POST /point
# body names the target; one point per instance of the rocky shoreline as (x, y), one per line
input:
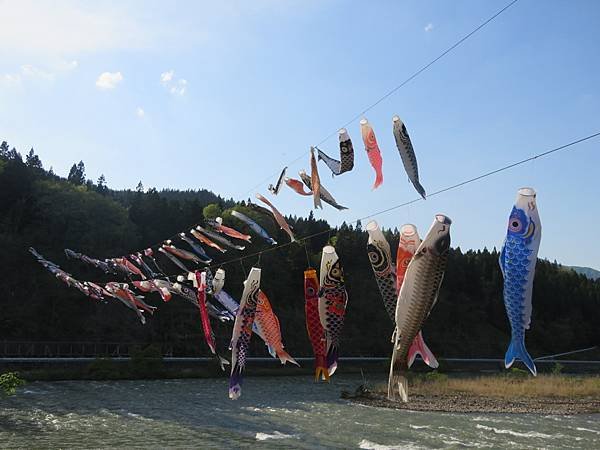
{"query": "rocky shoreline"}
(469, 403)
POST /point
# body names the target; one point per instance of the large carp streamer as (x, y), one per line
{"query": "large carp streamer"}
(517, 263)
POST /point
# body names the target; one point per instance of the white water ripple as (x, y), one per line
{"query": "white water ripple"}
(533, 434)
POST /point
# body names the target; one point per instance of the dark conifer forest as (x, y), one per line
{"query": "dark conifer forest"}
(44, 210)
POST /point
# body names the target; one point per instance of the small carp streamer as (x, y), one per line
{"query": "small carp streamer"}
(275, 189)
(209, 337)
(407, 247)
(205, 240)
(254, 226)
(268, 325)
(517, 263)
(373, 151)
(122, 292)
(407, 154)
(242, 332)
(278, 217)
(204, 258)
(316, 181)
(297, 186)
(179, 253)
(315, 330)
(333, 299)
(324, 193)
(217, 224)
(173, 258)
(346, 162)
(218, 281)
(154, 286)
(418, 295)
(220, 239)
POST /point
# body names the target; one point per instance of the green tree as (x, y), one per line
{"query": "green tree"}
(77, 173)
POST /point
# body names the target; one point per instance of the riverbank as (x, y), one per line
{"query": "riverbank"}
(511, 393)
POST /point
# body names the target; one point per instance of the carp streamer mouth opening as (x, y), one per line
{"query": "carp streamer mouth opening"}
(526, 192)
(408, 230)
(328, 249)
(443, 219)
(372, 225)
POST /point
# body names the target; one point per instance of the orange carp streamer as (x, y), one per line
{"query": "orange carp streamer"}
(373, 151)
(268, 324)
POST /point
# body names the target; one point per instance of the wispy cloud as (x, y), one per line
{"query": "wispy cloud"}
(53, 28)
(31, 72)
(140, 112)
(176, 86)
(428, 27)
(109, 80)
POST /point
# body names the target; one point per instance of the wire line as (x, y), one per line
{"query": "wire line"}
(395, 89)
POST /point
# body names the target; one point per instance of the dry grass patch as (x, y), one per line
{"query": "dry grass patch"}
(506, 386)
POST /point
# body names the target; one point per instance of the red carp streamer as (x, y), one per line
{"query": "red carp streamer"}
(315, 330)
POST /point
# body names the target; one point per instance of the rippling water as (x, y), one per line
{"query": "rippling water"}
(286, 412)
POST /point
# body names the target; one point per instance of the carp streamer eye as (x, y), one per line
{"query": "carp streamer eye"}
(310, 291)
(515, 225)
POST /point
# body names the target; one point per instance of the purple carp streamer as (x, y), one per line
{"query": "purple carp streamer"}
(407, 154)
(333, 299)
(517, 263)
(324, 193)
(242, 332)
(418, 295)
(346, 162)
(275, 189)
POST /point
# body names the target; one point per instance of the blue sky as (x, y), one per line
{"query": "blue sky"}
(221, 94)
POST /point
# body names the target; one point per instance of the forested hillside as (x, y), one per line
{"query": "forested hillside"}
(40, 209)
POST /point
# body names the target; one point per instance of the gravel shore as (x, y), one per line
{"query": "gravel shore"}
(466, 403)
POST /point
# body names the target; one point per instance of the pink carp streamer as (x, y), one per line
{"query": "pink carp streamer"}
(201, 295)
(278, 217)
(373, 151)
(316, 181)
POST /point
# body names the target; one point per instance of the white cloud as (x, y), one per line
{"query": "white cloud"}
(166, 77)
(109, 80)
(176, 86)
(180, 87)
(140, 112)
(428, 27)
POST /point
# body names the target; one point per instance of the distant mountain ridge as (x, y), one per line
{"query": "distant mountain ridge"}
(592, 274)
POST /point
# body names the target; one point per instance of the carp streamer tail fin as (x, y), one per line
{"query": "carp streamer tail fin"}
(398, 384)
(235, 383)
(285, 357)
(332, 358)
(419, 347)
(517, 350)
(222, 361)
(321, 371)
(420, 189)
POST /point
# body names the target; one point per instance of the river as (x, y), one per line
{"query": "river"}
(283, 412)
